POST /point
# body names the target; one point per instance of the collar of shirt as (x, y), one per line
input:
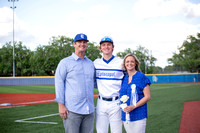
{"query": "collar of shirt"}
(107, 61)
(76, 56)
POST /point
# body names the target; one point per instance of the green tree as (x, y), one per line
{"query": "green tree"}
(156, 69)
(188, 55)
(169, 69)
(37, 61)
(92, 52)
(147, 61)
(6, 59)
(22, 60)
(174, 68)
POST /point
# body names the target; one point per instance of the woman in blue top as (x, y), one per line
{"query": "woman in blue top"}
(136, 86)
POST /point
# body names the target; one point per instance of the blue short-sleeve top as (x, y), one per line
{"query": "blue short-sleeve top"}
(140, 81)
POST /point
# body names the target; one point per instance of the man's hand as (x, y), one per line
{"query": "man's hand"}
(63, 111)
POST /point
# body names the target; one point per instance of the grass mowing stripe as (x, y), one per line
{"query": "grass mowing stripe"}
(27, 89)
(171, 86)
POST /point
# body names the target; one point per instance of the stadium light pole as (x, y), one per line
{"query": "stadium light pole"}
(13, 7)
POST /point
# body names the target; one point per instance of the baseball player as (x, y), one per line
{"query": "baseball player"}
(109, 76)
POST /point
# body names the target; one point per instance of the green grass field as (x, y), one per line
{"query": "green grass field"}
(164, 110)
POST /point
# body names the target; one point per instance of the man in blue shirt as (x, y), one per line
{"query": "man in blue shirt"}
(74, 85)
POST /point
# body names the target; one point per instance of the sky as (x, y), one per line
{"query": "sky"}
(161, 26)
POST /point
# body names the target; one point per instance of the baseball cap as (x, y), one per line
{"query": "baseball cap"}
(80, 36)
(106, 39)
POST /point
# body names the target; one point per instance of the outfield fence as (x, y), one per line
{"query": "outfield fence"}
(33, 80)
(174, 78)
(154, 78)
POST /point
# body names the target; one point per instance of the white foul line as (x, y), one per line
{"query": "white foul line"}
(34, 102)
(9, 105)
(25, 120)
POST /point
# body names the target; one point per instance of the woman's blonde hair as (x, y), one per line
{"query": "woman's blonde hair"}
(137, 66)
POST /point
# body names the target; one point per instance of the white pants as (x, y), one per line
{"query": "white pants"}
(135, 126)
(108, 112)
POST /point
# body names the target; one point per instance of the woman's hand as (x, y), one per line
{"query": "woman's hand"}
(129, 108)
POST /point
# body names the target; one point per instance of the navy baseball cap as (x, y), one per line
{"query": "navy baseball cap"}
(80, 36)
(106, 39)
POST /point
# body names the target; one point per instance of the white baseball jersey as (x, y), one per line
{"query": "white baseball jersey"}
(109, 76)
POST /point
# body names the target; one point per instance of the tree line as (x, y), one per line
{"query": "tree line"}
(188, 56)
(44, 60)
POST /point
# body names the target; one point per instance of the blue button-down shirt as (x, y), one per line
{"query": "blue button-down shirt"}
(74, 84)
